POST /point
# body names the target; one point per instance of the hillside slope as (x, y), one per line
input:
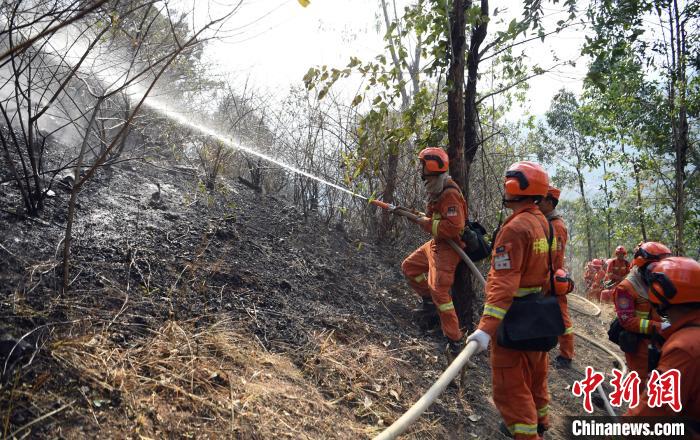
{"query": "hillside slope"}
(219, 315)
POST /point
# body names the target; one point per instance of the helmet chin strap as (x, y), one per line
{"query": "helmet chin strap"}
(513, 200)
(520, 199)
(662, 308)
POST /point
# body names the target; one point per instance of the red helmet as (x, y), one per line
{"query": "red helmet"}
(563, 283)
(434, 160)
(526, 179)
(648, 252)
(674, 280)
(620, 250)
(597, 262)
(553, 192)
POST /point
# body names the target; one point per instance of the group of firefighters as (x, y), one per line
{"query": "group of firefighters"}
(657, 297)
(601, 276)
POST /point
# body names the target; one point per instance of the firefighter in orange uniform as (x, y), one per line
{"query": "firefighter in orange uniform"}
(519, 267)
(618, 268)
(598, 273)
(430, 269)
(675, 293)
(589, 273)
(633, 309)
(548, 206)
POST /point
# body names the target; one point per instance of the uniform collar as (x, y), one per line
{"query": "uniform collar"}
(532, 208)
(553, 214)
(692, 317)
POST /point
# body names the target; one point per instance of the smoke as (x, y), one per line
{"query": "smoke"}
(107, 67)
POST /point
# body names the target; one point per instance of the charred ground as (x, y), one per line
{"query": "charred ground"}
(211, 314)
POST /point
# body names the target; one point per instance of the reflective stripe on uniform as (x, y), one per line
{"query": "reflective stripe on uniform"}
(541, 412)
(522, 428)
(420, 278)
(568, 330)
(644, 326)
(525, 291)
(494, 311)
(644, 315)
(446, 307)
(436, 222)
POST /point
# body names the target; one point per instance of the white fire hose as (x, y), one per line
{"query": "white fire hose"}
(404, 422)
(418, 408)
(414, 412)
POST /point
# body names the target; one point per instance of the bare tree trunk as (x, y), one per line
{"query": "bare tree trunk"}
(386, 221)
(463, 279)
(74, 196)
(608, 219)
(640, 208)
(586, 209)
(471, 127)
(679, 120)
(461, 288)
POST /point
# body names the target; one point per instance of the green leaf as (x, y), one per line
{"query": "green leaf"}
(513, 26)
(354, 61)
(356, 101)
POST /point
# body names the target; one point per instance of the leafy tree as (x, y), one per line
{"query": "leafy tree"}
(665, 55)
(564, 140)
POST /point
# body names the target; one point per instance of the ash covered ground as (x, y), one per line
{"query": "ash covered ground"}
(220, 314)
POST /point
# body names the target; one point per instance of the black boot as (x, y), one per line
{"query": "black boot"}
(562, 362)
(503, 428)
(453, 349)
(426, 316)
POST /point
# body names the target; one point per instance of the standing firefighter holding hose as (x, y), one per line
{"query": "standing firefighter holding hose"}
(524, 323)
(548, 206)
(430, 269)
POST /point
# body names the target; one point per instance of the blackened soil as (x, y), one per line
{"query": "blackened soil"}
(151, 246)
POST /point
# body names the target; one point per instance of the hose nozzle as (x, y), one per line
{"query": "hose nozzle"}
(388, 206)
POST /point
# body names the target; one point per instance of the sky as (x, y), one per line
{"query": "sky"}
(273, 43)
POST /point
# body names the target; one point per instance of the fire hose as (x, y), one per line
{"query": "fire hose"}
(599, 389)
(457, 365)
(414, 217)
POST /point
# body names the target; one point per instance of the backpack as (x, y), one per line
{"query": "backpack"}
(475, 245)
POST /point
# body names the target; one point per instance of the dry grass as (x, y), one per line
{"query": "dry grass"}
(373, 380)
(215, 382)
(204, 383)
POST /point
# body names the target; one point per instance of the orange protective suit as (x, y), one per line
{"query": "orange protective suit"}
(636, 316)
(588, 274)
(430, 269)
(617, 270)
(682, 352)
(561, 234)
(597, 285)
(519, 265)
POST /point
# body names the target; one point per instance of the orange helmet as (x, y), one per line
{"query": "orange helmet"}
(553, 192)
(648, 252)
(563, 283)
(597, 262)
(620, 250)
(434, 160)
(526, 179)
(674, 280)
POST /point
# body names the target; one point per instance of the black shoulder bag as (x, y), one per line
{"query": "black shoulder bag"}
(533, 322)
(475, 245)
(627, 341)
